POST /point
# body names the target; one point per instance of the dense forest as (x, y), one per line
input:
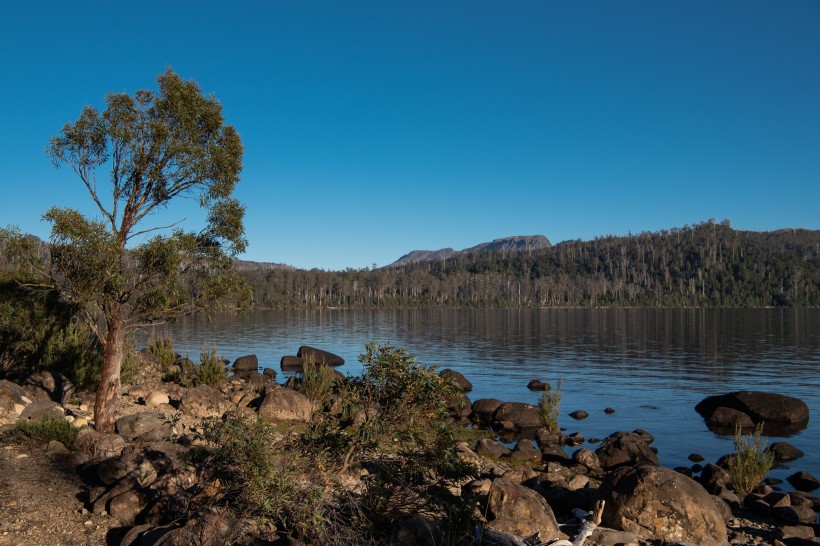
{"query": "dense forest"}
(705, 265)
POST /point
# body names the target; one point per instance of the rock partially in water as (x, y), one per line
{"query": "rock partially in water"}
(785, 452)
(520, 414)
(457, 378)
(320, 356)
(803, 481)
(483, 411)
(538, 385)
(579, 415)
(781, 415)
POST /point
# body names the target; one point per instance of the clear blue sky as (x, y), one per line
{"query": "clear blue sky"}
(376, 128)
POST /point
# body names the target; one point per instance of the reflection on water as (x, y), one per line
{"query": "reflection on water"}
(651, 365)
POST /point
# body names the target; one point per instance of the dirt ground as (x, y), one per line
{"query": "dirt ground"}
(41, 502)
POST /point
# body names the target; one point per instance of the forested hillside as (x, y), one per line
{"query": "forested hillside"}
(709, 264)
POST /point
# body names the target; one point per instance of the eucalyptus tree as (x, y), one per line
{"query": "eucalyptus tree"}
(122, 270)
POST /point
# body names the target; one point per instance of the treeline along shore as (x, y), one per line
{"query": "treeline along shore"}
(706, 265)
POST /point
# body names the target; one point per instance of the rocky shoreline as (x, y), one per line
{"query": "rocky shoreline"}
(530, 489)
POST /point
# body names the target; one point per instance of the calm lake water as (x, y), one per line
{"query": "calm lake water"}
(651, 365)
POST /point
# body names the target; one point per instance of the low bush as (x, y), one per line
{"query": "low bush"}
(549, 407)
(392, 421)
(162, 347)
(211, 369)
(42, 431)
(131, 363)
(751, 461)
(317, 381)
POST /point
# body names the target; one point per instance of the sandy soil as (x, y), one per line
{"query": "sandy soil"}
(41, 502)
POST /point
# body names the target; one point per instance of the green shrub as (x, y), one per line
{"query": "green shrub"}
(549, 407)
(260, 473)
(162, 347)
(317, 381)
(131, 363)
(751, 460)
(42, 431)
(211, 370)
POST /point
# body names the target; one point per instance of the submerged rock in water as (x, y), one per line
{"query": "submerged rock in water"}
(780, 414)
(320, 356)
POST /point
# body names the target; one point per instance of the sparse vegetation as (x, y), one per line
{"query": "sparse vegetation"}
(317, 381)
(393, 423)
(42, 431)
(162, 347)
(131, 363)
(751, 460)
(549, 407)
(211, 369)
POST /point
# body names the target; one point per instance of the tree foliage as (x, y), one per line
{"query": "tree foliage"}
(118, 267)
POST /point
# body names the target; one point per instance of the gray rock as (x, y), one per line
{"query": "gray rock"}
(491, 448)
(803, 481)
(483, 411)
(126, 506)
(320, 356)
(518, 510)
(96, 444)
(47, 384)
(538, 385)
(11, 395)
(784, 452)
(136, 424)
(766, 407)
(457, 378)
(525, 450)
(285, 405)
(660, 504)
(520, 414)
(624, 448)
(203, 401)
(39, 410)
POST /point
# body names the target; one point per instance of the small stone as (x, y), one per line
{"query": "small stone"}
(696, 457)
(609, 411)
(579, 414)
(88, 523)
(22, 456)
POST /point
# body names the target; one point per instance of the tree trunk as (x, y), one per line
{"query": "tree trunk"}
(109, 387)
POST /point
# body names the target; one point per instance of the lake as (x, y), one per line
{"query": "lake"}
(651, 365)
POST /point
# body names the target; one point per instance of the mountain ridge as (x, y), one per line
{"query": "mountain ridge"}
(515, 243)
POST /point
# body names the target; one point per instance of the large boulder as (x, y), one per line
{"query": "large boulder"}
(483, 411)
(203, 401)
(320, 356)
(518, 510)
(47, 384)
(146, 424)
(245, 365)
(660, 504)
(521, 415)
(775, 410)
(285, 405)
(37, 411)
(12, 397)
(625, 449)
(458, 378)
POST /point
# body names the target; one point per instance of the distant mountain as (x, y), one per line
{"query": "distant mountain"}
(508, 244)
